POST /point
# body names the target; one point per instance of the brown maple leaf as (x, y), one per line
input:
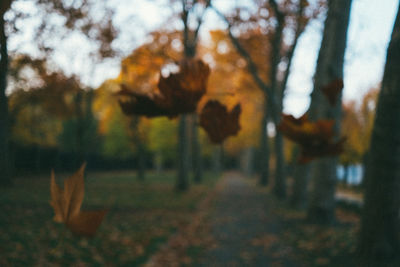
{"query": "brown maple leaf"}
(316, 139)
(332, 90)
(317, 150)
(305, 132)
(67, 205)
(179, 93)
(133, 103)
(218, 122)
(182, 91)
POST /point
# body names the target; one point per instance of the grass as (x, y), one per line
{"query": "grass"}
(141, 217)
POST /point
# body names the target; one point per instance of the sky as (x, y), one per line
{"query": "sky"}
(370, 27)
(371, 23)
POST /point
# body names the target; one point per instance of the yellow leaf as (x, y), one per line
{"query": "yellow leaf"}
(56, 200)
(67, 205)
(73, 194)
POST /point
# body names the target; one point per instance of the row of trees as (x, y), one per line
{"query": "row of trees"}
(256, 52)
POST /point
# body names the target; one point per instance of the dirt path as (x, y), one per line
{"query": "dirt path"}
(245, 233)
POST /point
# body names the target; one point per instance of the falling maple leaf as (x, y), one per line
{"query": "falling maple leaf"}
(316, 150)
(182, 90)
(67, 205)
(316, 139)
(305, 132)
(133, 103)
(179, 93)
(218, 122)
(332, 90)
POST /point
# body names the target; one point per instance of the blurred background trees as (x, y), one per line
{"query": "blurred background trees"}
(52, 116)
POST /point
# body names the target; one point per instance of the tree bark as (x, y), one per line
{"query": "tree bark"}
(379, 235)
(247, 161)
(264, 149)
(140, 150)
(301, 177)
(329, 68)
(5, 176)
(217, 159)
(275, 58)
(182, 183)
(280, 174)
(196, 152)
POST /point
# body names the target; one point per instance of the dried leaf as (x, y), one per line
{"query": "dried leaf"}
(316, 139)
(56, 202)
(322, 149)
(305, 132)
(73, 194)
(86, 222)
(179, 93)
(182, 91)
(133, 103)
(218, 122)
(332, 90)
(67, 205)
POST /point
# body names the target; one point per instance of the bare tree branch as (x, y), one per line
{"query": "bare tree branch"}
(299, 30)
(253, 69)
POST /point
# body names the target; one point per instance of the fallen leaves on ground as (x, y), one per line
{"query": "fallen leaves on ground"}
(316, 139)
(218, 122)
(266, 241)
(67, 205)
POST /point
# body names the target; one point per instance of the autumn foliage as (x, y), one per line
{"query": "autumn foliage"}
(178, 93)
(316, 139)
(67, 205)
(218, 122)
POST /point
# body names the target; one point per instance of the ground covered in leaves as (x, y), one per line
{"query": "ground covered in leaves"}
(141, 217)
(224, 222)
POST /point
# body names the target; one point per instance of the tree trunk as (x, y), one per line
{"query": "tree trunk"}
(247, 161)
(264, 149)
(301, 176)
(80, 130)
(217, 159)
(140, 150)
(196, 152)
(141, 172)
(275, 59)
(5, 176)
(280, 175)
(329, 68)
(182, 183)
(379, 235)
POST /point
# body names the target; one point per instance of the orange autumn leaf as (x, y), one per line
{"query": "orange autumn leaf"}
(316, 139)
(179, 93)
(305, 132)
(218, 122)
(332, 90)
(67, 205)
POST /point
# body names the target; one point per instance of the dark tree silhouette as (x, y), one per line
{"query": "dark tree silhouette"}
(379, 235)
(329, 68)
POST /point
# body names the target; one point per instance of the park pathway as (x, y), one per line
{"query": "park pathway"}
(245, 231)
